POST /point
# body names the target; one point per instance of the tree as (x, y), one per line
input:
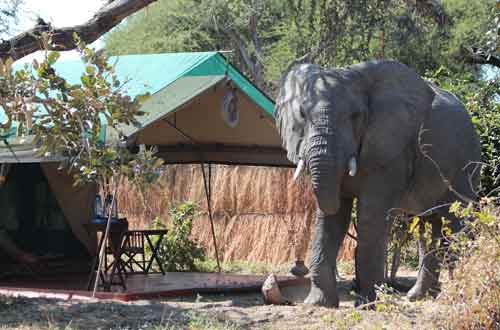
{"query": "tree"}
(266, 36)
(62, 38)
(200, 26)
(68, 119)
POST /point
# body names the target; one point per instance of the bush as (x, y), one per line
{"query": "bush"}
(473, 296)
(177, 252)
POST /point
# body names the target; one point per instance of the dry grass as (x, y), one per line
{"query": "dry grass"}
(472, 298)
(260, 215)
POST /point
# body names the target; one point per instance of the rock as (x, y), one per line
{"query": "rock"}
(271, 291)
(300, 269)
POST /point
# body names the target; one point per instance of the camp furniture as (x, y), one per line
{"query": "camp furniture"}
(134, 251)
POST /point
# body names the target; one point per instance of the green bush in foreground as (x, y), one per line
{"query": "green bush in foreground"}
(177, 252)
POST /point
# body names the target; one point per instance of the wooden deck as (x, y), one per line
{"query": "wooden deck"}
(141, 286)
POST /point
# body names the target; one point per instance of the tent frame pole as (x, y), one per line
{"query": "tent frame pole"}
(208, 194)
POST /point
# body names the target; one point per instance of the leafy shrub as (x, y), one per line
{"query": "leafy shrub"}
(178, 252)
(473, 296)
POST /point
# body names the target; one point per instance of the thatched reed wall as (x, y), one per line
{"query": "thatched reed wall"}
(259, 213)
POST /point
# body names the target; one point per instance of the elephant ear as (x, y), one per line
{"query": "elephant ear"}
(399, 102)
(289, 115)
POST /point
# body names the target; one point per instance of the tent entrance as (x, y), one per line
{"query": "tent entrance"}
(32, 217)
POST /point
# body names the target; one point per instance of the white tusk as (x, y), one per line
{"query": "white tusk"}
(300, 167)
(353, 166)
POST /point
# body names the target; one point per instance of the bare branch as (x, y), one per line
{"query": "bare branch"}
(104, 20)
(479, 56)
(430, 8)
(254, 66)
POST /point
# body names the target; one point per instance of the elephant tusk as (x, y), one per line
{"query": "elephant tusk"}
(353, 166)
(300, 167)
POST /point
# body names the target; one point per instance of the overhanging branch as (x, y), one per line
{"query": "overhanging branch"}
(104, 20)
(479, 56)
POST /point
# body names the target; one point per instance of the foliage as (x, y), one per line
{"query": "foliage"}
(473, 296)
(493, 34)
(177, 251)
(242, 267)
(347, 320)
(402, 241)
(73, 119)
(267, 36)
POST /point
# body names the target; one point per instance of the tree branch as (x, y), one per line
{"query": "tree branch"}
(430, 8)
(104, 20)
(479, 56)
(254, 66)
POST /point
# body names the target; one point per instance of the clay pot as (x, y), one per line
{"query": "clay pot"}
(300, 269)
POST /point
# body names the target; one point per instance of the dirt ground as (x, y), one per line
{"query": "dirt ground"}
(231, 312)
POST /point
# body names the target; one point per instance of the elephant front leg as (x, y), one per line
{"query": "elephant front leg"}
(330, 231)
(374, 221)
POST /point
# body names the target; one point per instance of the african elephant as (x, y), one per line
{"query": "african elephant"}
(374, 131)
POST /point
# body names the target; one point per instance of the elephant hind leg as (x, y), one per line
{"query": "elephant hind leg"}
(430, 261)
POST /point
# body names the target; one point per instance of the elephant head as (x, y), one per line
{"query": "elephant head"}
(349, 121)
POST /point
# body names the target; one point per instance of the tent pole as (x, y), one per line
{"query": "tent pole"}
(208, 194)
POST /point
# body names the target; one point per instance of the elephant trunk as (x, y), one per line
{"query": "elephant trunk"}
(323, 169)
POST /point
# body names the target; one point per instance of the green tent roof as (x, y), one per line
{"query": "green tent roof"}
(150, 73)
(175, 81)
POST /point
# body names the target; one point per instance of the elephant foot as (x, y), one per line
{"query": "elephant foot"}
(319, 298)
(365, 299)
(419, 290)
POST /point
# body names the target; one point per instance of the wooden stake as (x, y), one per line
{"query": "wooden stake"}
(104, 240)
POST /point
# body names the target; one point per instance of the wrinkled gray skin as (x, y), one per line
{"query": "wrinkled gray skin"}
(382, 113)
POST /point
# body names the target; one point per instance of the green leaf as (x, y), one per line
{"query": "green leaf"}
(52, 57)
(90, 70)
(413, 225)
(455, 207)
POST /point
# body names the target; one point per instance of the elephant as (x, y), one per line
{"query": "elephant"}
(379, 133)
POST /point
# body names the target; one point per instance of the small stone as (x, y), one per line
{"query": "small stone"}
(271, 291)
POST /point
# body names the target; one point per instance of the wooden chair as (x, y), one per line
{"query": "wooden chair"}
(133, 252)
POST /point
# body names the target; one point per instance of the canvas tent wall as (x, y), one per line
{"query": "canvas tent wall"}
(26, 174)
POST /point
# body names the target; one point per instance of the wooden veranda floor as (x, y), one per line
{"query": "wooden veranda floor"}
(140, 286)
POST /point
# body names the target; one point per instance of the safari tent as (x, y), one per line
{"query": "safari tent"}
(201, 109)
